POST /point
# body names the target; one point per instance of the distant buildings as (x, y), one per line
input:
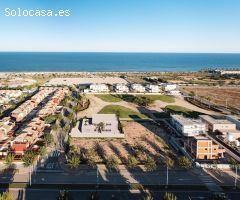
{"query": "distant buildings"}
(97, 88)
(225, 72)
(99, 126)
(169, 87)
(121, 88)
(137, 88)
(203, 148)
(188, 127)
(152, 88)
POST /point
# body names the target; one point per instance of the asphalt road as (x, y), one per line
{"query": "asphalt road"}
(90, 177)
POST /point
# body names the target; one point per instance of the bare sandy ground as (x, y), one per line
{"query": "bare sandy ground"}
(141, 134)
(76, 81)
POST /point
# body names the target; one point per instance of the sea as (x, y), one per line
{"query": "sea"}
(115, 62)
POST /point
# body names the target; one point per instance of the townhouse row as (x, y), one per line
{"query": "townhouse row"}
(17, 137)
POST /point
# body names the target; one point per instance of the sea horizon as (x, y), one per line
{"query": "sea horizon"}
(115, 61)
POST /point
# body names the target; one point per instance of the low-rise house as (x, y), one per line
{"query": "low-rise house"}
(152, 88)
(203, 148)
(188, 127)
(121, 88)
(137, 88)
(220, 125)
(99, 126)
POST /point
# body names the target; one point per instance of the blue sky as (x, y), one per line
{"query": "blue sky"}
(124, 26)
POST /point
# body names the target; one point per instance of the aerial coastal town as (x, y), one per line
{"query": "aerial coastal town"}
(139, 131)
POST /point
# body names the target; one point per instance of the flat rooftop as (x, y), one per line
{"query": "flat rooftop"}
(186, 121)
(215, 121)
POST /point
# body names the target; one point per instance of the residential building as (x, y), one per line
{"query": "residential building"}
(221, 125)
(203, 148)
(97, 88)
(137, 88)
(152, 88)
(28, 136)
(235, 120)
(99, 126)
(121, 88)
(188, 127)
(169, 86)
(6, 128)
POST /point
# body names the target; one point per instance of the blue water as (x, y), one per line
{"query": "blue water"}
(104, 62)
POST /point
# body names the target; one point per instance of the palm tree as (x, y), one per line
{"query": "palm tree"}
(74, 161)
(132, 162)
(9, 159)
(28, 161)
(169, 196)
(150, 164)
(5, 196)
(184, 162)
(100, 127)
(112, 163)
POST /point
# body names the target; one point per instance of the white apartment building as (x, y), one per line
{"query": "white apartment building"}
(169, 86)
(152, 88)
(188, 127)
(137, 88)
(221, 125)
(121, 88)
(95, 88)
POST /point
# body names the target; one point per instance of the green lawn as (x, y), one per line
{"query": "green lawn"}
(173, 109)
(109, 97)
(164, 98)
(122, 111)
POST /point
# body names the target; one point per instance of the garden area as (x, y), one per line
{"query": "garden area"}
(122, 112)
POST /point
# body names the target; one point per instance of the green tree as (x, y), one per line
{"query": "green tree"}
(169, 196)
(112, 163)
(50, 119)
(28, 161)
(9, 159)
(150, 164)
(74, 161)
(192, 94)
(132, 162)
(5, 196)
(48, 139)
(184, 162)
(42, 151)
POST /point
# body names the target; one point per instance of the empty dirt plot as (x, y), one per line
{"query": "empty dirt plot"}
(141, 139)
(221, 96)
